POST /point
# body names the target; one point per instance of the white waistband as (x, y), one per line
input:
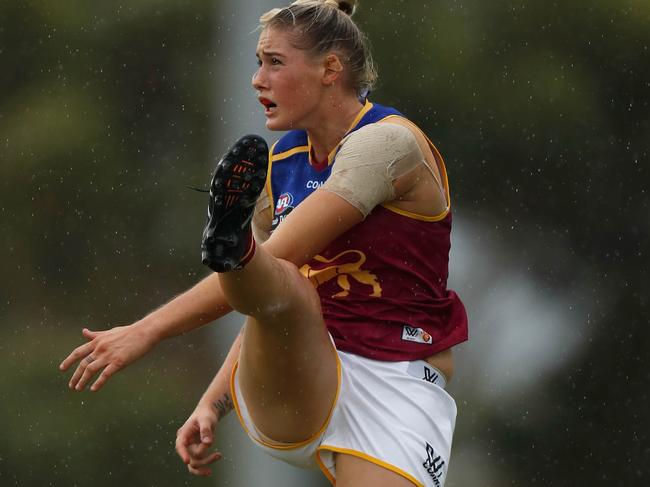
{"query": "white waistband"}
(425, 371)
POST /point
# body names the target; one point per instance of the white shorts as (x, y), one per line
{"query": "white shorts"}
(394, 414)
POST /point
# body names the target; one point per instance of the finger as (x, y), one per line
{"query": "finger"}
(108, 371)
(187, 434)
(76, 376)
(198, 450)
(201, 472)
(89, 372)
(181, 447)
(182, 452)
(206, 432)
(201, 462)
(90, 334)
(78, 373)
(77, 353)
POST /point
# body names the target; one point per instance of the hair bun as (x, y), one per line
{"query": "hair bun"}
(348, 6)
(345, 6)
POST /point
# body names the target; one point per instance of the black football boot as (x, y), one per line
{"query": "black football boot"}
(239, 178)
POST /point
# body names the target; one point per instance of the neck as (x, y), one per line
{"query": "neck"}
(334, 122)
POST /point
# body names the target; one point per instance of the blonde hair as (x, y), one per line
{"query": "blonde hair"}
(323, 26)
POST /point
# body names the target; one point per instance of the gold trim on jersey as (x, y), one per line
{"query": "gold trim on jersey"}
(290, 152)
(330, 157)
(442, 169)
(417, 216)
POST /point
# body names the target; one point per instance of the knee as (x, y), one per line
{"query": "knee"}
(290, 293)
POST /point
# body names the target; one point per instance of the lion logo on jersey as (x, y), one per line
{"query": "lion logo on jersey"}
(342, 268)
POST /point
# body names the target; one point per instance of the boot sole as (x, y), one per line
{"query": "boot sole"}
(238, 180)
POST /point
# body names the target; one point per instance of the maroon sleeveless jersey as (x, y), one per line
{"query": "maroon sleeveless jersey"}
(382, 284)
(383, 287)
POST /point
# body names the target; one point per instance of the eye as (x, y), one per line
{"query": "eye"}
(259, 62)
(275, 61)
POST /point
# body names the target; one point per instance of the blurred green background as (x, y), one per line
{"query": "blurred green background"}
(541, 109)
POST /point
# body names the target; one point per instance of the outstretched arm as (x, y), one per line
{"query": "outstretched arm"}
(109, 351)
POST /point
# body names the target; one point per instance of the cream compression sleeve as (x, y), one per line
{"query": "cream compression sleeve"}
(369, 160)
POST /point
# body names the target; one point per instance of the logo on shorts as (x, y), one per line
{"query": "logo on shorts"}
(411, 334)
(434, 464)
(430, 375)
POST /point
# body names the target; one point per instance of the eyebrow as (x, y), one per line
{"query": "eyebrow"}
(269, 53)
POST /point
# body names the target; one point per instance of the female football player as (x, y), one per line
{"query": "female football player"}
(335, 246)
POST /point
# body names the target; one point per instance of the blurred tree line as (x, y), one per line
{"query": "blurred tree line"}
(541, 109)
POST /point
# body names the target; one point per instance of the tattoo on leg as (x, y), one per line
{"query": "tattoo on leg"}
(223, 405)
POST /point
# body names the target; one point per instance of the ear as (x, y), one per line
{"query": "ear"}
(333, 69)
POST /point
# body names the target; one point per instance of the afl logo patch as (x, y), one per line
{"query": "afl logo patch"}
(285, 200)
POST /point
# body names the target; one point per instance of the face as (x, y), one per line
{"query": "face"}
(289, 85)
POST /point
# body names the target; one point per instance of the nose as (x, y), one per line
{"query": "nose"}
(256, 80)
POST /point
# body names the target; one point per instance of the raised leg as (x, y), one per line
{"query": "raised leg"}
(288, 366)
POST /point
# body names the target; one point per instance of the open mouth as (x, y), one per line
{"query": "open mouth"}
(268, 104)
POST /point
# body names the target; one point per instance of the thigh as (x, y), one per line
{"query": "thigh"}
(288, 369)
(352, 471)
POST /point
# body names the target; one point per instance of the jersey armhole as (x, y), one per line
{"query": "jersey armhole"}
(444, 181)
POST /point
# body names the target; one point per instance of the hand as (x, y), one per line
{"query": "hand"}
(194, 439)
(107, 351)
